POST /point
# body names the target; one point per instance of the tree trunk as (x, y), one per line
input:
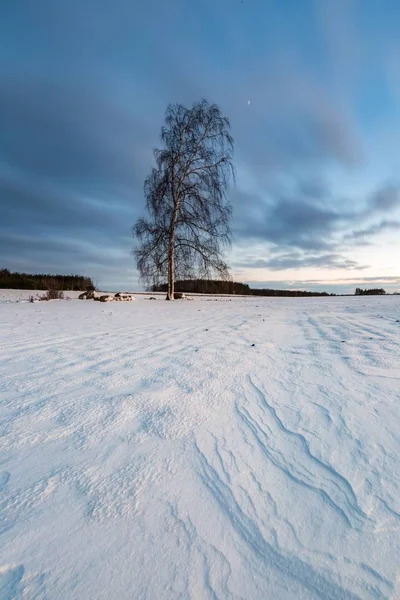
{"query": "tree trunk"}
(171, 253)
(171, 249)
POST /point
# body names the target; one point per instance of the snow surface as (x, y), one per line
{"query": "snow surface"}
(245, 448)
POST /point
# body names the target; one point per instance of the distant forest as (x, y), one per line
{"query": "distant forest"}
(26, 281)
(209, 286)
(372, 292)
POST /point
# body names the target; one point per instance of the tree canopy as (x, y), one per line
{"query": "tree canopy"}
(189, 214)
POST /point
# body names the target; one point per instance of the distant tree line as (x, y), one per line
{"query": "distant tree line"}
(209, 286)
(372, 292)
(288, 293)
(205, 286)
(27, 281)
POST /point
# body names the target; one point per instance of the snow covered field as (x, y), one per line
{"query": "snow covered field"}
(243, 449)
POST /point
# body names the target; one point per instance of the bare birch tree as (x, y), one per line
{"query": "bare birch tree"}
(188, 223)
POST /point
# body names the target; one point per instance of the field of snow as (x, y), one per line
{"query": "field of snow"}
(244, 449)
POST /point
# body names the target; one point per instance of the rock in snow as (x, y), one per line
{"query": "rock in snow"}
(123, 297)
(87, 296)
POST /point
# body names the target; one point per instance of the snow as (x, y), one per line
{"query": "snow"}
(149, 450)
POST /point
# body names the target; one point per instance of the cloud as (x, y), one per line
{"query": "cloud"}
(332, 285)
(46, 229)
(339, 26)
(300, 261)
(379, 278)
(284, 221)
(293, 124)
(314, 189)
(384, 201)
(371, 280)
(109, 264)
(311, 219)
(372, 230)
(69, 133)
(386, 198)
(72, 165)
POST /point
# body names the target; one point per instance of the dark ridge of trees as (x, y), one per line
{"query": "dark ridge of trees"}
(27, 281)
(287, 293)
(187, 225)
(205, 286)
(372, 292)
(209, 286)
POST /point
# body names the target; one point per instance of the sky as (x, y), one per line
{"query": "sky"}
(312, 91)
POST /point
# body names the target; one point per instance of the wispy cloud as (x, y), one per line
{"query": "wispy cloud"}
(313, 221)
(300, 261)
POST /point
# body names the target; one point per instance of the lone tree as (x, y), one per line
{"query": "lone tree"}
(186, 199)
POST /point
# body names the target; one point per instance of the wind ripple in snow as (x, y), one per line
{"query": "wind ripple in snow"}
(250, 533)
(289, 451)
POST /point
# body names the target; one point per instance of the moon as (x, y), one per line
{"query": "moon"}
(248, 102)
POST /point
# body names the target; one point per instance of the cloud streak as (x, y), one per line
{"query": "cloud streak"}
(300, 261)
(311, 221)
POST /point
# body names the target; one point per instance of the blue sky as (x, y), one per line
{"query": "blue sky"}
(84, 87)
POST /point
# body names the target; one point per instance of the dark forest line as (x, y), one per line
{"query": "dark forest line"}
(42, 281)
(209, 286)
(46, 281)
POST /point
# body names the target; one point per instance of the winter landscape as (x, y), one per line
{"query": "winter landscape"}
(213, 448)
(200, 300)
